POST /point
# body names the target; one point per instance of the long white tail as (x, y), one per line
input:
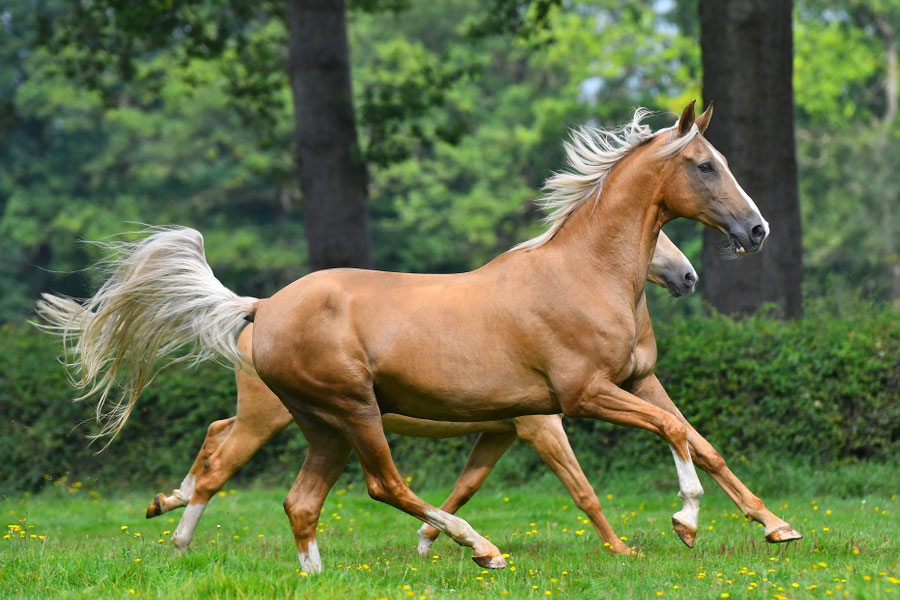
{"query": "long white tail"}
(160, 305)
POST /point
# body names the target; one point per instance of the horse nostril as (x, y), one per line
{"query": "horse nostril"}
(757, 234)
(690, 279)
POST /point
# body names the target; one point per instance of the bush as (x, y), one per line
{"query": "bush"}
(822, 390)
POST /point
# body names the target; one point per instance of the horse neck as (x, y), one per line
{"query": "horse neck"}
(615, 234)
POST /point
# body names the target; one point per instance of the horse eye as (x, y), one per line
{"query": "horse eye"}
(705, 167)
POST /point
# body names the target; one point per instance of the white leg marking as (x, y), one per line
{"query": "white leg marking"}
(425, 542)
(186, 490)
(460, 531)
(690, 491)
(310, 561)
(184, 533)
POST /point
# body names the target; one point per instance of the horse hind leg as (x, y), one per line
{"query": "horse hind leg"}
(386, 485)
(485, 453)
(239, 446)
(326, 457)
(216, 434)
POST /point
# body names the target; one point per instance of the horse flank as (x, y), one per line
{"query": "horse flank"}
(591, 154)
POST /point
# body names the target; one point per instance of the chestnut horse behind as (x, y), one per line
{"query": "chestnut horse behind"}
(231, 442)
(550, 326)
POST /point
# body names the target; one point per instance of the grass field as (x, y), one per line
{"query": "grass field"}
(71, 542)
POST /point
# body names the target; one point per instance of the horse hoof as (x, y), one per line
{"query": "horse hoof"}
(156, 505)
(490, 562)
(684, 532)
(785, 533)
(620, 549)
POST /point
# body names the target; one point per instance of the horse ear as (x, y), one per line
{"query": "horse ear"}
(703, 120)
(687, 119)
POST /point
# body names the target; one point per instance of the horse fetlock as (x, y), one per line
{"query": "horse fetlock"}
(310, 561)
(692, 493)
(427, 534)
(181, 541)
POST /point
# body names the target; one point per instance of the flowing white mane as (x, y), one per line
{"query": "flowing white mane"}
(591, 154)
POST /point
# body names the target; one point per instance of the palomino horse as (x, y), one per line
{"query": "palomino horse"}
(550, 326)
(231, 442)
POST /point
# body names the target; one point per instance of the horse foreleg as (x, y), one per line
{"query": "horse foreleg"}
(546, 435)
(485, 453)
(708, 459)
(217, 432)
(385, 484)
(606, 401)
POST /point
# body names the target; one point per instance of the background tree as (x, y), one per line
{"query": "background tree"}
(747, 70)
(848, 137)
(331, 167)
(104, 42)
(458, 122)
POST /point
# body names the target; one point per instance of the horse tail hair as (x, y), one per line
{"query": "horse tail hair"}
(160, 305)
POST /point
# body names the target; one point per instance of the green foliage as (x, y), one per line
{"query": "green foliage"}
(109, 116)
(819, 391)
(170, 149)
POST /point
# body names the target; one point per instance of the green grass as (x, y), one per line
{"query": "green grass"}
(97, 546)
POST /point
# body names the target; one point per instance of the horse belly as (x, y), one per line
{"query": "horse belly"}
(461, 388)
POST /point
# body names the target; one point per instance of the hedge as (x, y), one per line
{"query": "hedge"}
(823, 390)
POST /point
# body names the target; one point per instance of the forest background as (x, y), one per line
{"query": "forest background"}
(461, 113)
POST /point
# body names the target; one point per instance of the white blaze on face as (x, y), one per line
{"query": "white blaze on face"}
(721, 160)
(690, 491)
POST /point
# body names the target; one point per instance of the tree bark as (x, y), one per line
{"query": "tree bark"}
(331, 168)
(747, 50)
(888, 196)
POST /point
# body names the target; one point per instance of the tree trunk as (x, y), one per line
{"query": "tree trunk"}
(888, 196)
(747, 68)
(331, 168)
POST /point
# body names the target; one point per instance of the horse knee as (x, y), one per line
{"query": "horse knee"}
(303, 518)
(218, 427)
(676, 434)
(215, 434)
(377, 489)
(711, 462)
(387, 491)
(587, 501)
(210, 480)
(297, 510)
